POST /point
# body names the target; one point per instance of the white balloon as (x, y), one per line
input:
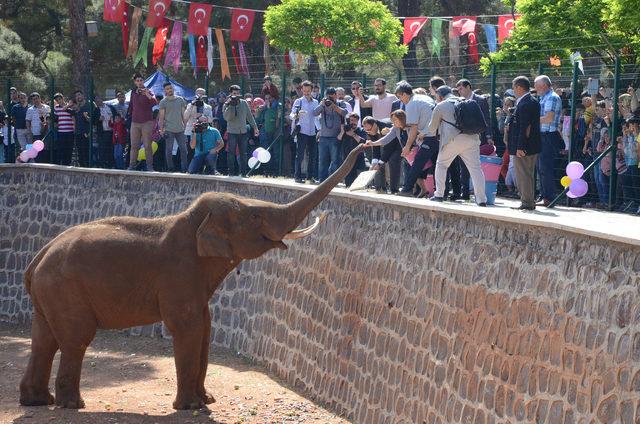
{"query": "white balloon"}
(264, 156)
(253, 163)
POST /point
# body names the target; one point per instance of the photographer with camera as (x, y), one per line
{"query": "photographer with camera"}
(142, 122)
(207, 143)
(171, 124)
(332, 112)
(197, 111)
(350, 136)
(237, 113)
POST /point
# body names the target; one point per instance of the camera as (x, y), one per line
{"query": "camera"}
(234, 100)
(198, 103)
(200, 127)
(328, 102)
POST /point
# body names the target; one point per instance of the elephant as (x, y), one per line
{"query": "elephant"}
(181, 260)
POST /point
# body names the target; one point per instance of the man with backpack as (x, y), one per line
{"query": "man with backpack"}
(457, 122)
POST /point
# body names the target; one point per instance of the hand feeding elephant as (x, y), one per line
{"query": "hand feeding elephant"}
(84, 280)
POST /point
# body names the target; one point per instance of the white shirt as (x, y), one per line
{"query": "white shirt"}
(105, 114)
(381, 107)
(33, 115)
(191, 114)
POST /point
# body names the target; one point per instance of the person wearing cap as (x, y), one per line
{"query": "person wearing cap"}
(454, 144)
(332, 113)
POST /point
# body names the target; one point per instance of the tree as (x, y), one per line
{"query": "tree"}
(559, 28)
(341, 34)
(80, 44)
(16, 61)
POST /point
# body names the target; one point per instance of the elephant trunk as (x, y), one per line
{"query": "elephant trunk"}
(297, 210)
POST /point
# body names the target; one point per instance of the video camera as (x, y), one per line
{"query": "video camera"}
(234, 100)
(200, 127)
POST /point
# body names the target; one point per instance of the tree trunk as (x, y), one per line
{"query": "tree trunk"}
(79, 44)
(410, 60)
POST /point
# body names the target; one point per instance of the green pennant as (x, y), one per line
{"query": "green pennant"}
(142, 49)
(436, 36)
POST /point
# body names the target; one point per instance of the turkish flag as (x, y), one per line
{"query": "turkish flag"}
(324, 41)
(124, 24)
(506, 23)
(241, 24)
(157, 11)
(199, 16)
(412, 27)
(201, 53)
(160, 41)
(463, 25)
(473, 47)
(114, 10)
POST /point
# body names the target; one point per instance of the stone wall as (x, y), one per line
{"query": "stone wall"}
(389, 313)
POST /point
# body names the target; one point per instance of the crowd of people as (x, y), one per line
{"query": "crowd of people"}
(410, 133)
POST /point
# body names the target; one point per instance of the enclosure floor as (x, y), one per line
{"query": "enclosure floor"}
(132, 380)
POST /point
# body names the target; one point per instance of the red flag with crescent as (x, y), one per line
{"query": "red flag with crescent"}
(241, 24)
(124, 25)
(412, 27)
(463, 25)
(201, 53)
(160, 41)
(157, 11)
(473, 47)
(506, 23)
(199, 17)
(114, 10)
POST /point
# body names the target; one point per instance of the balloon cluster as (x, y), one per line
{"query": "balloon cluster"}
(32, 150)
(260, 155)
(142, 154)
(577, 186)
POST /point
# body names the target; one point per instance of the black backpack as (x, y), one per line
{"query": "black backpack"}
(469, 117)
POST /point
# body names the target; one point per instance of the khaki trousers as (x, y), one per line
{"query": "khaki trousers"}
(468, 148)
(526, 178)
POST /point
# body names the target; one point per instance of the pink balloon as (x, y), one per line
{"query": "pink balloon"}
(38, 145)
(574, 170)
(24, 157)
(579, 187)
(32, 153)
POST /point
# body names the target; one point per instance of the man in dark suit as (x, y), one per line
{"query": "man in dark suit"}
(524, 141)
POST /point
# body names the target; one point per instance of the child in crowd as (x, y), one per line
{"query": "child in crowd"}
(119, 139)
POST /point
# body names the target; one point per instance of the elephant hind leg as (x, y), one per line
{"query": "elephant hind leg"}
(73, 345)
(34, 387)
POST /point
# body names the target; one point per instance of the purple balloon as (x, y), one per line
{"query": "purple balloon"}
(575, 170)
(255, 153)
(571, 195)
(579, 187)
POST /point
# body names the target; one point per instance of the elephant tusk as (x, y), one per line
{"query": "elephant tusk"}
(296, 234)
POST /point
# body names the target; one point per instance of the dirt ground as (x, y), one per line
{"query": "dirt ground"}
(132, 380)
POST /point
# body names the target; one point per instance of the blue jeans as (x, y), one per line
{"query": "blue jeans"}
(328, 157)
(118, 155)
(199, 161)
(602, 183)
(546, 160)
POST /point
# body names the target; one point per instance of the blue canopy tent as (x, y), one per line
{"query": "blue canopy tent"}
(154, 83)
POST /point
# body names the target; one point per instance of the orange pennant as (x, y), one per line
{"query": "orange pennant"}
(224, 63)
(554, 61)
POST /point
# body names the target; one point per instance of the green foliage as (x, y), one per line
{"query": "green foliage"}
(15, 60)
(561, 27)
(361, 31)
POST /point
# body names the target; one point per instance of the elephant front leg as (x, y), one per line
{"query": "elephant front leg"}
(206, 397)
(187, 344)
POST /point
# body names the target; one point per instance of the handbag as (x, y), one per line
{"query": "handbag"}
(411, 157)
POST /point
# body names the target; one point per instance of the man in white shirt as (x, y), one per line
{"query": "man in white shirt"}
(381, 102)
(302, 116)
(36, 117)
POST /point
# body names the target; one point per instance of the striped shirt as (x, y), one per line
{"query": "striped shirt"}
(551, 102)
(65, 119)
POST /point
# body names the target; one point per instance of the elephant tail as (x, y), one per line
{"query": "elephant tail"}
(28, 274)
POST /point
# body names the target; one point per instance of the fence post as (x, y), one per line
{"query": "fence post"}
(322, 84)
(206, 84)
(11, 152)
(464, 72)
(399, 75)
(494, 119)
(613, 179)
(540, 69)
(282, 121)
(90, 122)
(242, 85)
(364, 80)
(52, 114)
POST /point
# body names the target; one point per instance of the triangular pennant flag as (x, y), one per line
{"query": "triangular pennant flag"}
(436, 37)
(236, 61)
(114, 11)
(157, 12)
(412, 27)
(241, 24)
(473, 47)
(192, 52)
(175, 47)
(201, 53)
(199, 17)
(454, 46)
(209, 51)
(142, 53)
(160, 41)
(490, 33)
(577, 57)
(224, 62)
(463, 25)
(125, 30)
(133, 32)
(243, 59)
(287, 60)
(506, 24)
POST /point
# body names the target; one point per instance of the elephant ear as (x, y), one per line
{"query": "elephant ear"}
(210, 241)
